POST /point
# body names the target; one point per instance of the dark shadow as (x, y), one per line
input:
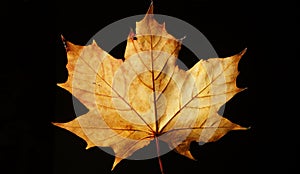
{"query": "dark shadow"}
(65, 105)
(119, 50)
(70, 155)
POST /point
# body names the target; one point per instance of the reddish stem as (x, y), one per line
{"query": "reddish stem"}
(158, 155)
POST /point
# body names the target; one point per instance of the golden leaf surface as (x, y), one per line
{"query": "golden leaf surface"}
(147, 96)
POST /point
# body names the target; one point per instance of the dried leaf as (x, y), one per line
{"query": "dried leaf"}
(147, 96)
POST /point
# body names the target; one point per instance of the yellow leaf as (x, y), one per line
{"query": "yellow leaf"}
(147, 96)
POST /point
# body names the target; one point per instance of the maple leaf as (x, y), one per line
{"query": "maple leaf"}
(147, 96)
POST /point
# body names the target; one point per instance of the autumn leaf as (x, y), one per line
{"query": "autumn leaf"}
(146, 96)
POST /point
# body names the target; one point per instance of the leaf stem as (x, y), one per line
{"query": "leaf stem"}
(158, 155)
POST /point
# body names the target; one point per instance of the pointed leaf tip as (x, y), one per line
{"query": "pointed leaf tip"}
(94, 42)
(131, 33)
(116, 162)
(150, 9)
(243, 52)
(189, 155)
(181, 39)
(56, 124)
(89, 145)
(62, 38)
(238, 127)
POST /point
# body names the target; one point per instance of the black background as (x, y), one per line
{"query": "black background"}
(34, 61)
